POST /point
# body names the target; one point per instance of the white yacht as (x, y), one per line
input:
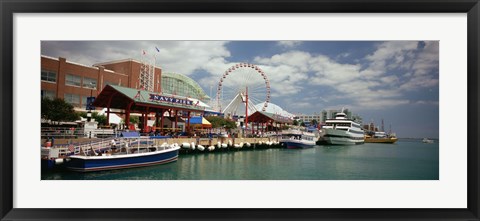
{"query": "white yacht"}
(343, 131)
(426, 140)
(296, 139)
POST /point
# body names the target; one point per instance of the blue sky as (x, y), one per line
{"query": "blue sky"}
(396, 80)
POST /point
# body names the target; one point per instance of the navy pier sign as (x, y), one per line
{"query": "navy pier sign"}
(156, 97)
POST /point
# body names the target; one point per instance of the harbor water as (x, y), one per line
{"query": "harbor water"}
(405, 160)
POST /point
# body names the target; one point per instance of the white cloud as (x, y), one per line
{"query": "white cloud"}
(376, 86)
(328, 71)
(427, 102)
(175, 56)
(289, 44)
(187, 56)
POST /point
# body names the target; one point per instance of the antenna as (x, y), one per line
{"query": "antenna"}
(383, 129)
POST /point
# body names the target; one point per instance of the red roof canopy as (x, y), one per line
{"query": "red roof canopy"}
(120, 97)
(264, 117)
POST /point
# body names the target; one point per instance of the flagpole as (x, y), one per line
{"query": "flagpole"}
(154, 67)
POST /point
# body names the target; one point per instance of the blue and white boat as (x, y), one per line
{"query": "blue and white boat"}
(296, 139)
(127, 154)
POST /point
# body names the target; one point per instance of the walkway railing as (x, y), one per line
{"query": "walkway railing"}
(72, 133)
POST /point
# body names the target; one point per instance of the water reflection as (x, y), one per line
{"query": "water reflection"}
(406, 160)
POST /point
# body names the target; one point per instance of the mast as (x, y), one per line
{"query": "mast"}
(246, 108)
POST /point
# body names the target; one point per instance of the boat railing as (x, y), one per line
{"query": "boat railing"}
(96, 147)
(130, 145)
(61, 133)
(76, 132)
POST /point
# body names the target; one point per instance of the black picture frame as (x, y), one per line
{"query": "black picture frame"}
(10, 7)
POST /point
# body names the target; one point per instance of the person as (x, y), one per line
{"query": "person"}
(47, 142)
(113, 143)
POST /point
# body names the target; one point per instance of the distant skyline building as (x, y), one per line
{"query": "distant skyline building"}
(330, 114)
(308, 118)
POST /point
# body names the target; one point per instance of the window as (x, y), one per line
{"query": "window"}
(49, 76)
(84, 101)
(73, 80)
(90, 83)
(48, 94)
(73, 99)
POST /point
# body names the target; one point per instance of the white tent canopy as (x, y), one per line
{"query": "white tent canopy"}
(275, 109)
(113, 118)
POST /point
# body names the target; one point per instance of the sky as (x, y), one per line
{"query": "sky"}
(397, 81)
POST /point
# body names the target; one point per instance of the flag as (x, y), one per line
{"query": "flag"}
(158, 50)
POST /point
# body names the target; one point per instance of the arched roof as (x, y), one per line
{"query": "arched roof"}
(189, 87)
(274, 109)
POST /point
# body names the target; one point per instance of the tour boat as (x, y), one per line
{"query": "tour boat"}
(128, 154)
(381, 137)
(296, 139)
(342, 131)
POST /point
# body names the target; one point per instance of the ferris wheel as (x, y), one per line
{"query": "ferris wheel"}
(241, 87)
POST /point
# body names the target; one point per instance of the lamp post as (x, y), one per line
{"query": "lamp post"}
(89, 109)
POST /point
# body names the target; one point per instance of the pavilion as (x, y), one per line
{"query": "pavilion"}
(266, 119)
(145, 103)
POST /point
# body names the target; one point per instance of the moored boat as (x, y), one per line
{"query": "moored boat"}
(130, 154)
(296, 139)
(390, 140)
(426, 140)
(342, 131)
(381, 137)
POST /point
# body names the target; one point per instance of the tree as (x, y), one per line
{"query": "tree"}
(218, 122)
(101, 119)
(230, 124)
(314, 122)
(134, 119)
(295, 122)
(58, 110)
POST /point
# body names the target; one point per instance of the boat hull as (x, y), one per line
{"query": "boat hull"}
(381, 140)
(297, 145)
(94, 163)
(339, 137)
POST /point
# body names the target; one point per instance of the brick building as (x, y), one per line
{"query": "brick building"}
(75, 82)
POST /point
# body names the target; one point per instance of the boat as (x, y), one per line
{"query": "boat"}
(381, 137)
(297, 139)
(129, 153)
(342, 131)
(53, 157)
(426, 140)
